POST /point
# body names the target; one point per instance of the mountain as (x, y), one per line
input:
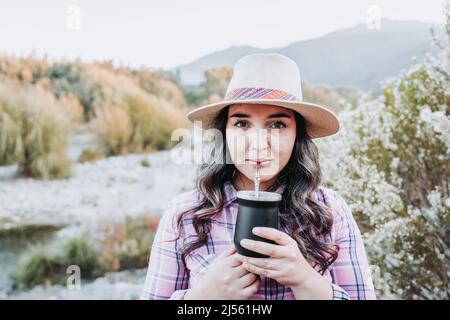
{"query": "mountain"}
(355, 56)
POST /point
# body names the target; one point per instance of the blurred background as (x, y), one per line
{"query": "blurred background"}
(90, 93)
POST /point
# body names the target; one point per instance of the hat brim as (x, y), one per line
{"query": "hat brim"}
(320, 122)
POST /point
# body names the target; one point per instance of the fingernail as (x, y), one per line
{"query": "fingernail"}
(244, 242)
(256, 229)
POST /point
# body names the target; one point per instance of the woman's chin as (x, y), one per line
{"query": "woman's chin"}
(266, 173)
(262, 177)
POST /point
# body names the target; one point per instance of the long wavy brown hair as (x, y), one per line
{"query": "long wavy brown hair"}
(308, 218)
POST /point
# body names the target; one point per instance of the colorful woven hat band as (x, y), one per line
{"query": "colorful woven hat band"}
(259, 93)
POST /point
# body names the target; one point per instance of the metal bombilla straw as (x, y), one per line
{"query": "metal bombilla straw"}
(256, 180)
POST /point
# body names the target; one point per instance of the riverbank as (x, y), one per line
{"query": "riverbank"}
(109, 190)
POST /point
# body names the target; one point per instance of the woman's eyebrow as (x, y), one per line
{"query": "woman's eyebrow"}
(279, 115)
(240, 115)
(275, 115)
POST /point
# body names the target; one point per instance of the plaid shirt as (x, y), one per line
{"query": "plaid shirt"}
(169, 278)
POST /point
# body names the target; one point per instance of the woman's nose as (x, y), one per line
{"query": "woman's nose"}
(258, 139)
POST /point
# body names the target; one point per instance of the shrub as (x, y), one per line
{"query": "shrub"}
(113, 127)
(217, 80)
(9, 137)
(37, 267)
(140, 123)
(47, 264)
(71, 105)
(81, 252)
(73, 78)
(90, 154)
(391, 163)
(161, 85)
(145, 163)
(152, 126)
(127, 245)
(34, 133)
(122, 246)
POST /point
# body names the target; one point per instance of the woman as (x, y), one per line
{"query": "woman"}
(319, 253)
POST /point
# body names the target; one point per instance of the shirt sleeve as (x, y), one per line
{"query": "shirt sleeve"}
(350, 272)
(167, 276)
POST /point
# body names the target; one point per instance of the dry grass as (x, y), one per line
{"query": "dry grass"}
(34, 132)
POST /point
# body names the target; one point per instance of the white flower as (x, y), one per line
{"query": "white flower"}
(425, 114)
(447, 202)
(441, 123)
(394, 163)
(434, 197)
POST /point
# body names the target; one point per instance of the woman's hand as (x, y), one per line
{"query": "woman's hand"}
(286, 264)
(225, 279)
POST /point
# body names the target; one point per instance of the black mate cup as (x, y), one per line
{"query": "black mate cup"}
(253, 211)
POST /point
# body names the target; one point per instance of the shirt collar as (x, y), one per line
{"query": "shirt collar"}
(230, 192)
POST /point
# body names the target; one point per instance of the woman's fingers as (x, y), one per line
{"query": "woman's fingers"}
(271, 250)
(261, 271)
(247, 279)
(273, 234)
(229, 251)
(252, 288)
(226, 258)
(265, 263)
(232, 260)
(239, 271)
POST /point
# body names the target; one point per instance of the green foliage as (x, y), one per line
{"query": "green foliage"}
(214, 87)
(80, 252)
(195, 97)
(145, 163)
(123, 246)
(12, 232)
(38, 267)
(424, 165)
(412, 251)
(71, 78)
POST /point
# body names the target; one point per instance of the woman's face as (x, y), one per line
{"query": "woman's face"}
(260, 132)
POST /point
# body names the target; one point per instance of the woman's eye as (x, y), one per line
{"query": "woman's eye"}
(278, 125)
(274, 125)
(240, 124)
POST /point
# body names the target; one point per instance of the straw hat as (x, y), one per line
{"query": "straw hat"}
(269, 78)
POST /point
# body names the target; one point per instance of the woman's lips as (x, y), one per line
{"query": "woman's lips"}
(261, 163)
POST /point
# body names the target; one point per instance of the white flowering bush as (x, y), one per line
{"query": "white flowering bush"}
(390, 161)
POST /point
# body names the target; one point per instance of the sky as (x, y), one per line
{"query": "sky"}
(168, 33)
